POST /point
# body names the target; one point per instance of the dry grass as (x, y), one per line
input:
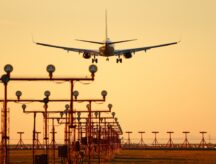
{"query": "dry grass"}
(138, 157)
(166, 156)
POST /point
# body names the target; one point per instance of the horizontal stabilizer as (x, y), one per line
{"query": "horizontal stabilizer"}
(90, 41)
(122, 41)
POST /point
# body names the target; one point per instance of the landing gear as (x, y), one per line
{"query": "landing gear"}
(119, 60)
(107, 59)
(94, 60)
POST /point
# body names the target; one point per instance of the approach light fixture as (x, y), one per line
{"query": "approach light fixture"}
(113, 114)
(110, 106)
(47, 93)
(8, 68)
(24, 107)
(104, 93)
(93, 69)
(96, 114)
(18, 94)
(50, 69)
(75, 94)
(67, 106)
(5, 79)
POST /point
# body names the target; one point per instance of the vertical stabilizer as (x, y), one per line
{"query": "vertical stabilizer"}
(106, 33)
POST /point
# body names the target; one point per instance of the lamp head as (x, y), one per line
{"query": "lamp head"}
(88, 106)
(113, 114)
(78, 114)
(23, 107)
(61, 114)
(47, 93)
(93, 69)
(96, 114)
(75, 94)
(67, 106)
(18, 94)
(50, 69)
(110, 106)
(104, 93)
(8, 68)
(5, 78)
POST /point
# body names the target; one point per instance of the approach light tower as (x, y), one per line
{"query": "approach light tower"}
(203, 143)
(170, 142)
(20, 144)
(186, 143)
(129, 140)
(141, 139)
(155, 142)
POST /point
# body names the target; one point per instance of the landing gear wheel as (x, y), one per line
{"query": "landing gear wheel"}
(118, 60)
(94, 60)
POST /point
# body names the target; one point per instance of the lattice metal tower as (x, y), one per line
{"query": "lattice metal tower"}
(170, 142)
(38, 145)
(203, 143)
(20, 144)
(141, 143)
(128, 140)
(155, 142)
(186, 143)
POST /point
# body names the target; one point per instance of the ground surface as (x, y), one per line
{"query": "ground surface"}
(166, 157)
(139, 156)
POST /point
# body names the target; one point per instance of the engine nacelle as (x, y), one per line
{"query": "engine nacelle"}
(86, 55)
(128, 55)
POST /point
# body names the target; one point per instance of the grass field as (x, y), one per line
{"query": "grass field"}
(138, 156)
(166, 156)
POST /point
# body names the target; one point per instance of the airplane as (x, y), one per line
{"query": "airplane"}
(107, 49)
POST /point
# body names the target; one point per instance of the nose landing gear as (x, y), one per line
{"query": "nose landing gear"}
(119, 60)
(95, 60)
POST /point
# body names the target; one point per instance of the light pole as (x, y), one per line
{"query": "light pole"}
(5, 138)
(46, 138)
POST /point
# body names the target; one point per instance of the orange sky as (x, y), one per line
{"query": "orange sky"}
(170, 88)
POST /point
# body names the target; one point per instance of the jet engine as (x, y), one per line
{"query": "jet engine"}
(128, 55)
(86, 55)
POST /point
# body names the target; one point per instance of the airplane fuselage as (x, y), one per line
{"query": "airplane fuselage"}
(106, 50)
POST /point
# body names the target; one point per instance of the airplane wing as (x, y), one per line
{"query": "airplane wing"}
(79, 50)
(133, 50)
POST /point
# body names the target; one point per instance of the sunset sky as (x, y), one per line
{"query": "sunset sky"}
(169, 88)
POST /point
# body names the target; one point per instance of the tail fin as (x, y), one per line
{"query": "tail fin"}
(106, 30)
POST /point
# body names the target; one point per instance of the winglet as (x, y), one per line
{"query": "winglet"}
(33, 38)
